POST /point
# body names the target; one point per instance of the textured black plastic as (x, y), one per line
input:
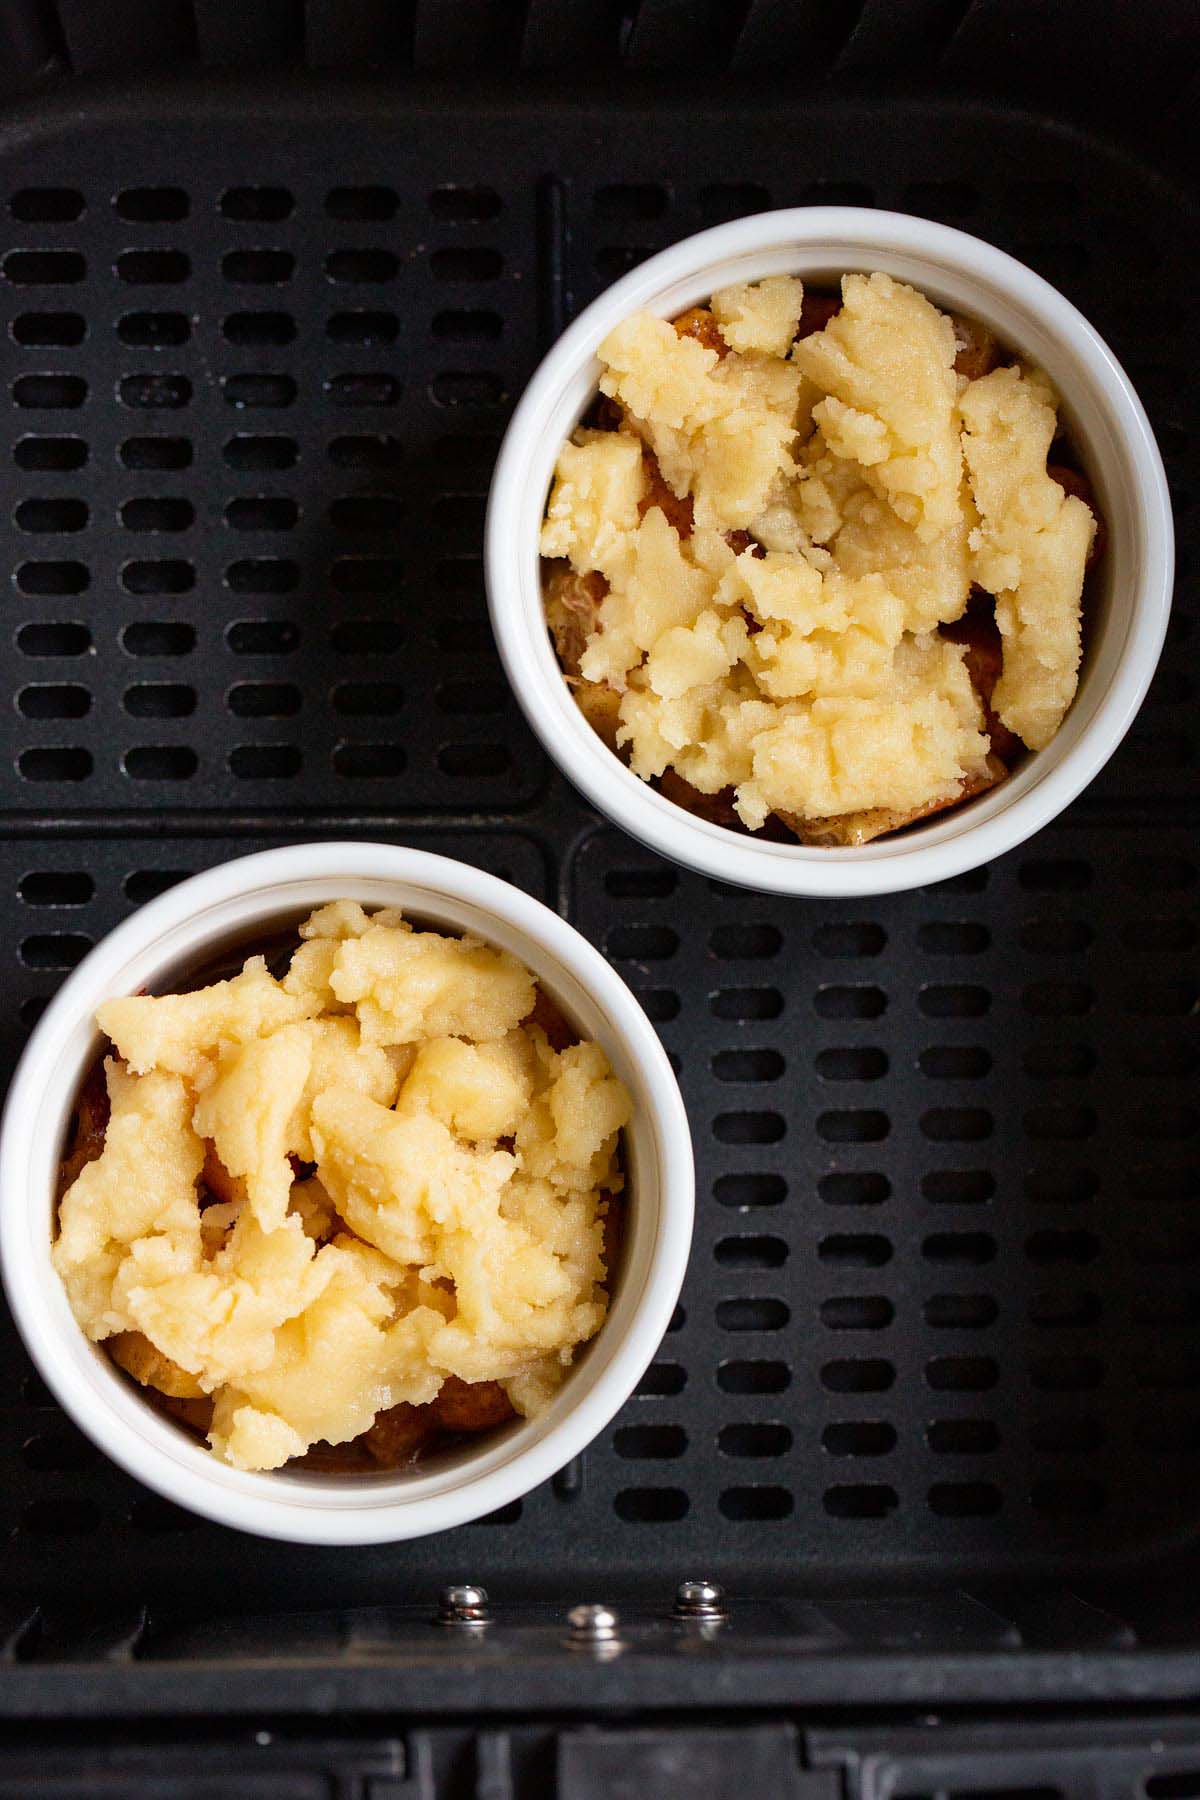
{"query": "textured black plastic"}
(942, 1324)
(525, 1760)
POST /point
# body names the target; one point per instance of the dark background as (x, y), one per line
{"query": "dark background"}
(270, 279)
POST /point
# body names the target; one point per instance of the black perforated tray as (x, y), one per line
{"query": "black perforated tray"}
(942, 1325)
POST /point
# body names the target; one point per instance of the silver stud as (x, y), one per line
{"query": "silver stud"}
(594, 1628)
(701, 1600)
(463, 1604)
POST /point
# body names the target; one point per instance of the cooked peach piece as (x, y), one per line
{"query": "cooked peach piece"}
(717, 808)
(558, 1029)
(572, 604)
(679, 514)
(398, 1434)
(601, 707)
(91, 1121)
(604, 414)
(196, 1414)
(816, 310)
(985, 659)
(138, 1357)
(216, 1177)
(976, 351)
(846, 830)
(1076, 483)
(471, 1405)
(699, 323)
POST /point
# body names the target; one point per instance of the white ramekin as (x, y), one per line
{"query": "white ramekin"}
(187, 925)
(1124, 629)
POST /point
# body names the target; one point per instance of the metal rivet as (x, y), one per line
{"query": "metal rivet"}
(593, 1628)
(463, 1604)
(700, 1600)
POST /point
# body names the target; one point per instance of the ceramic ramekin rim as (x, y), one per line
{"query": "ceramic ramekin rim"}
(337, 1511)
(945, 847)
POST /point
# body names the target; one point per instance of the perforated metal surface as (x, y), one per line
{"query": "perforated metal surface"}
(943, 1319)
(945, 1280)
(250, 438)
(255, 391)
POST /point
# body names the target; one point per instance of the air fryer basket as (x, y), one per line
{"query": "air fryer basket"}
(930, 1408)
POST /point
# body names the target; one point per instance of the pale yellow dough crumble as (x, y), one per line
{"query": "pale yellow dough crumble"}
(767, 621)
(454, 1223)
